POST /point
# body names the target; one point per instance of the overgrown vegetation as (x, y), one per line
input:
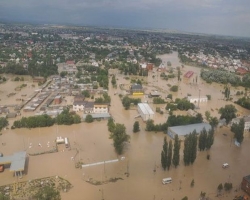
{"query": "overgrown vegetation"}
(225, 77)
(173, 120)
(244, 102)
(3, 122)
(118, 134)
(126, 102)
(65, 118)
(238, 130)
(190, 148)
(228, 112)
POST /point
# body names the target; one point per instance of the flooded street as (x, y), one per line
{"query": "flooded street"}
(90, 143)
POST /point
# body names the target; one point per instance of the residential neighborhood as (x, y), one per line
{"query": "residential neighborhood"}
(89, 111)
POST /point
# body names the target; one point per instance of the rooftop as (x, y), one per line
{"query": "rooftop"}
(247, 178)
(186, 129)
(16, 161)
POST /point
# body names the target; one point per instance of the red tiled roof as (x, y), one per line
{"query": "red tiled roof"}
(70, 62)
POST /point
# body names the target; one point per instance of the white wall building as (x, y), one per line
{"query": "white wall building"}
(78, 106)
(194, 99)
(145, 111)
(100, 108)
(246, 120)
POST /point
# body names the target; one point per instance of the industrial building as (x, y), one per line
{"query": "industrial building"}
(145, 111)
(16, 162)
(181, 131)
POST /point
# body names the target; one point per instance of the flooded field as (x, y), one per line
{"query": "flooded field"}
(139, 174)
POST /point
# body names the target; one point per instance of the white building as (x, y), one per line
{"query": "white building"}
(78, 106)
(101, 108)
(145, 111)
(194, 99)
(246, 120)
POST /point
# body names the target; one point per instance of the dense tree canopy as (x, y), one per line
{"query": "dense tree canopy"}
(190, 148)
(3, 122)
(65, 118)
(244, 102)
(34, 121)
(228, 112)
(136, 127)
(176, 154)
(238, 130)
(119, 137)
(164, 154)
(220, 76)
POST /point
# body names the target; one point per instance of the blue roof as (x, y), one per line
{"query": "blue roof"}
(16, 161)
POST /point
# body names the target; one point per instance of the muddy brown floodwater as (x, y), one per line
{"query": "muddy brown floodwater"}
(90, 143)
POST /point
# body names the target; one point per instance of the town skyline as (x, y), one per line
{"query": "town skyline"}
(227, 18)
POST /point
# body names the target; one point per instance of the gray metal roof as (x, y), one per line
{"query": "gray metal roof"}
(145, 108)
(16, 161)
(186, 129)
(97, 115)
(136, 87)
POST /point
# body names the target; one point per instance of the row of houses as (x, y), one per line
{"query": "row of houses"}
(89, 107)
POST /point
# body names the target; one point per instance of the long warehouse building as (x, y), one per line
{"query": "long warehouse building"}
(145, 111)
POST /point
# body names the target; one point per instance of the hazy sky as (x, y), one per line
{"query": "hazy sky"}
(226, 17)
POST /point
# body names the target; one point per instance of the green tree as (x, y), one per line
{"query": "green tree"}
(210, 138)
(126, 102)
(3, 122)
(86, 93)
(111, 125)
(89, 118)
(170, 152)
(220, 187)
(136, 127)
(213, 122)
(202, 140)
(63, 74)
(185, 198)
(47, 193)
(113, 81)
(208, 115)
(190, 148)
(150, 125)
(192, 183)
(228, 186)
(119, 137)
(228, 112)
(174, 88)
(164, 154)
(179, 75)
(238, 130)
(227, 92)
(176, 155)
